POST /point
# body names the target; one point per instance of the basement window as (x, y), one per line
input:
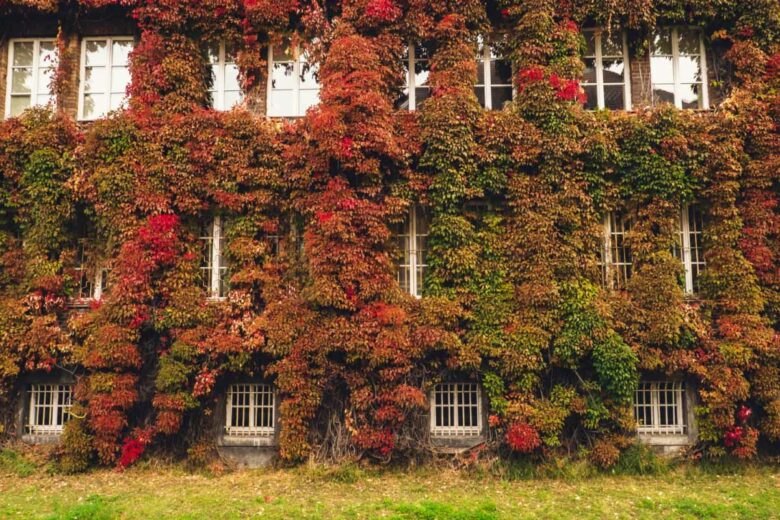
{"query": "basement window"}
(225, 91)
(251, 410)
(293, 85)
(456, 410)
(606, 79)
(49, 407)
(105, 75)
(412, 240)
(214, 266)
(616, 261)
(678, 68)
(31, 67)
(658, 408)
(689, 248)
(493, 85)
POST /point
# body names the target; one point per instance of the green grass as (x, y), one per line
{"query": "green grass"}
(353, 492)
(14, 463)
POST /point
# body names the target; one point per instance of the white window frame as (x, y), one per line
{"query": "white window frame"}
(60, 403)
(412, 262)
(411, 76)
(609, 264)
(296, 90)
(252, 392)
(35, 66)
(599, 58)
(456, 391)
(107, 91)
(705, 97)
(217, 89)
(654, 390)
(688, 231)
(483, 60)
(215, 268)
(99, 280)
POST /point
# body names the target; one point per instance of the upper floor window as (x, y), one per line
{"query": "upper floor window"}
(456, 410)
(251, 410)
(213, 264)
(31, 67)
(658, 408)
(494, 78)
(225, 91)
(49, 406)
(92, 280)
(293, 87)
(104, 75)
(678, 67)
(606, 79)
(689, 248)
(616, 261)
(417, 65)
(412, 239)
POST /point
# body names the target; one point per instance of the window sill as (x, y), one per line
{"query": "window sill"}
(42, 438)
(228, 440)
(655, 439)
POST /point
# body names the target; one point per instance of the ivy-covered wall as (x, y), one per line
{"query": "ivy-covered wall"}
(513, 296)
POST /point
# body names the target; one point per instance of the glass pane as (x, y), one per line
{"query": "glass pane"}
(402, 103)
(117, 101)
(689, 69)
(44, 99)
(282, 104)
(480, 73)
(232, 98)
(663, 94)
(589, 76)
(283, 76)
(18, 104)
(613, 71)
(120, 78)
(421, 76)
(662, 42)
(500, 72)
(121, 52)
(308, 98)
(212, 52)
(309, 75)
(690, 96)
(661, 69)
(501, 96)
(21, 82)
(95, 80)
(231, 78)
(611, 44)
(23, 54)
(592, 103)
(282, 52)
(613, 97)
(45, 77)
(96, 53)
(94, 105)
(480, 92)
(421, 94)
(590, 43)
(688, 41)
(47, 56)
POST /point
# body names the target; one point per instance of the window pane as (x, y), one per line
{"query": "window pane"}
(283, 76)
(121, 52)
(96, 53)
(688, 41)
(19, 104)
(614, 71)
(95, 80)
(662, 42)
(120, 78)
(689, 69)
(500, 72)
(611, 43)
(691, 96)
(94, 105)
(21, 82)
(212, 52)
(308, 98)
(45, 76)
(282, 52)
(663, 94)
(232, 98)
(231, 78)
(589, 76)
(117, 101)
(282, 104)
(421, 94)
(590, 43)
(480, 92)
(614, 97)
(592, 103)
(661, 69)
(23, 54)
(47, 56)
(501, 96)
(309, 73)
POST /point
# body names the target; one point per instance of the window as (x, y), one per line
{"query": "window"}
(225, 88)
(606, 80)
(417, 64)
(49, 408)
(689, 248)
(457, 410)
(104, 75)
(616, 256)
(293, 87)
(412, 244)
(31, 67)
(494, 78)
(658, 408)
(250, 410)
(214, 265)
(678, 68)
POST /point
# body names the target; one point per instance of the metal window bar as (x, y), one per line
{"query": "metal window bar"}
(251, 410)
(616, 262)
(457, 410)
(49, 408)
(658, 408)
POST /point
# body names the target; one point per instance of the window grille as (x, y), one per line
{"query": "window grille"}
(678, 67)
(412, 239)
(616, 261)
(214, 268)
(104, 75)
(31, 66)
(250, 410)
(606, 79)
(49, 408)
(293, 85)
(457, 410)
(689, 248)
(225, 91)
(493, 85)
(658, 408)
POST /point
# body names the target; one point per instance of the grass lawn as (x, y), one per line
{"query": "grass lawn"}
(152, 491)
